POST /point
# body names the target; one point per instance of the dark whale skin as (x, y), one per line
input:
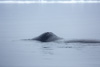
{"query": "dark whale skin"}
(47, 37)
(51, 37)
(83, 41)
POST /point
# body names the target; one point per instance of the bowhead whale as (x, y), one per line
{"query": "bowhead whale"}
(47, 37)
(51, 37)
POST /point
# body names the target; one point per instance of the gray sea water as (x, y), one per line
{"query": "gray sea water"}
(69, 21)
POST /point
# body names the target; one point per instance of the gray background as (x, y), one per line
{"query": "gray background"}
(70, 21)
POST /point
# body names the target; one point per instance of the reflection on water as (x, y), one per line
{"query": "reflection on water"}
(51, 54)
(49, 48)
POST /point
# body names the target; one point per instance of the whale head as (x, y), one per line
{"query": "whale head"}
(47, 37)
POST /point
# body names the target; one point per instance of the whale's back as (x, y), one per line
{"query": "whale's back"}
(47, 37)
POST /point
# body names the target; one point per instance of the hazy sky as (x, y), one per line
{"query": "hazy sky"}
(66, 20)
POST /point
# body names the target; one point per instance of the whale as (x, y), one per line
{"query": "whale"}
(47, 37)
(51, 37)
